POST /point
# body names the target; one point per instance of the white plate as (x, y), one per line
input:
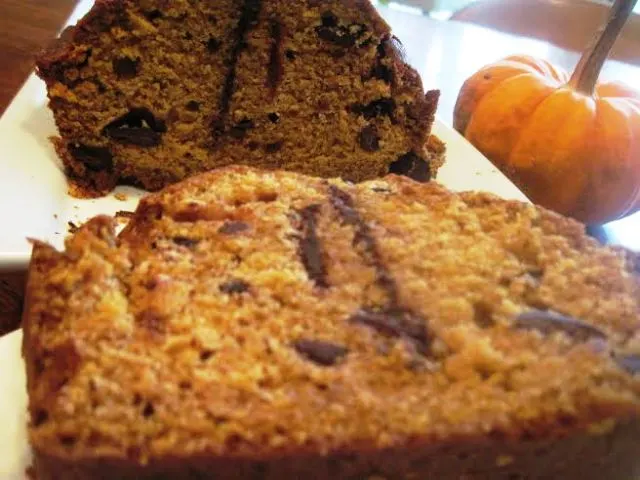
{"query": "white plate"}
(15, 455)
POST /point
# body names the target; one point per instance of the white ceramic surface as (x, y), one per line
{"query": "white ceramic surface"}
(14, 451)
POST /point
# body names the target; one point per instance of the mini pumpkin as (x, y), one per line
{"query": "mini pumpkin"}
(569, 143)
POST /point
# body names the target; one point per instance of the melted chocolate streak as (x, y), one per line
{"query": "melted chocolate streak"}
(393, 318)
(249, 15)
(310, 246)
(275, 68)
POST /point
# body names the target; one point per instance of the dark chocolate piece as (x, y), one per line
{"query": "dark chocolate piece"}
(376, 108)
(124, 214)
(126, 68)
(290, 54)
(138, 127)
(193, 106)
(152, 15)
(185, 241)
(380, 70)
(234, 286)
(275, 69)
(213, 45)
(274, 147)
(412, 166)
(249, 14)
(274, 117)
(240, 129)
(548, 321)
(72, 227)
(310, 247)
(399, 323)
(95, 159)
(630, 363)
(345, 36)
(369, 139)
(230, 228)
(321, 352)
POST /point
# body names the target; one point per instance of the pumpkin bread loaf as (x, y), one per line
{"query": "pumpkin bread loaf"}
(149, 92)
(269, 325)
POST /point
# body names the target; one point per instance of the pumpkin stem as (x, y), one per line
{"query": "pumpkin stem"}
(586, 74)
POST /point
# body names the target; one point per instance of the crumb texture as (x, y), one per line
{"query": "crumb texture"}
(273, 325)
(150, 92)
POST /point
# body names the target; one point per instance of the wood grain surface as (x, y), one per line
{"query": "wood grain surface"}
(26, 26)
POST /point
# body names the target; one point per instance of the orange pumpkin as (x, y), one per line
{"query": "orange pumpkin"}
(569, 144)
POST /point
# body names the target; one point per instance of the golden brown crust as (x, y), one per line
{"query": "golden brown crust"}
(150, 92)
(267, 317)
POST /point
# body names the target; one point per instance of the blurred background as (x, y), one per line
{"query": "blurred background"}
(443, 9)
(567, 24)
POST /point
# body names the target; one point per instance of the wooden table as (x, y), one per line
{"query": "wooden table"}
(445, 53)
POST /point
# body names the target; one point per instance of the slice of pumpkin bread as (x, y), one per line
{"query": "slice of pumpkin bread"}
(251, 324)
(150, 92)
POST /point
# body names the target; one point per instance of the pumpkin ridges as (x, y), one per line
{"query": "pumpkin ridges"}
(485, 80)
(610, 143)
(541, 66)
(500, 115)
(544, 160)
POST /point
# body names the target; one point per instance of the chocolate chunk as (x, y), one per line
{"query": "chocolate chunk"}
(412, 166)
(399, 323)
(185, 241)
(139, 117)
(368, 138)
(376, 108)
(124, 214)
(630, 363)
(321, 352)
(240, 129)
(290, 54)
(548, 321)
(310, 248)
(193, 106)
(231, 228)
(153, 15)
(342, 36)
(274, 117)
(137, 127)
(329, 19)
(126, 68)
(213, 45)
(72, 227)
(234, 286)
(95, 159)
(275, 68)
(274, 147)
(380, 70)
